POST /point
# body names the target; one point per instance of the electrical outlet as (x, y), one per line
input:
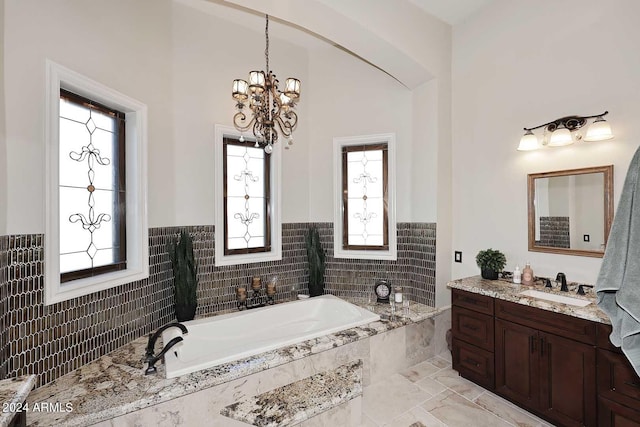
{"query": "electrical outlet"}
(586, 238)
(457, 256)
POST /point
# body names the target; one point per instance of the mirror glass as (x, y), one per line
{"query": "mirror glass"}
(570, 211)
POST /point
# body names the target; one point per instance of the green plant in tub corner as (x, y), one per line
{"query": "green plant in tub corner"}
(316, 258)
(491, 262)
(185, 272)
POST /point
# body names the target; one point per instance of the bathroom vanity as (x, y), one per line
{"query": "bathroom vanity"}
(553, 359)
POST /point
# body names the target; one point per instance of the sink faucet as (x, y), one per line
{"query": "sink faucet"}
(562, 278)
(149, 357)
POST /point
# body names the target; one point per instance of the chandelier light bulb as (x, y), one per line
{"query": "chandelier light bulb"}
(241, 139)
(268, 149)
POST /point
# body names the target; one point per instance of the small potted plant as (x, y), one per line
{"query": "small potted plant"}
(491, 262)
(316, 258)
(185, 271)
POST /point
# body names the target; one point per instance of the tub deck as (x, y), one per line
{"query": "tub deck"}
(115, 384)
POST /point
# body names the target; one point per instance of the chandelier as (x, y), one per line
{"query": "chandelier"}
(272, 111)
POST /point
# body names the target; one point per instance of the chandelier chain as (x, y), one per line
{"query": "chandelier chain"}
(266, 49)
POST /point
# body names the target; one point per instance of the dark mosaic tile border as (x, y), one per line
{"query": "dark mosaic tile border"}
(54, 340)
(5, 349)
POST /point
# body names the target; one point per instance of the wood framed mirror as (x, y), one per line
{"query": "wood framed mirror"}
(570, 211)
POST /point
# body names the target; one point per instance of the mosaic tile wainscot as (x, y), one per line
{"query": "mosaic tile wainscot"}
(52, 340)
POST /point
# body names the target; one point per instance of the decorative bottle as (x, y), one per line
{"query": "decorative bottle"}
(527, 275)
(517, 275)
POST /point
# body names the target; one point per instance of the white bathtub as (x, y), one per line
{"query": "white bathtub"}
(221, 339)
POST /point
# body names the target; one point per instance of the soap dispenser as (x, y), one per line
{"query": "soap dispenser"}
(527, 275)
(517, 275)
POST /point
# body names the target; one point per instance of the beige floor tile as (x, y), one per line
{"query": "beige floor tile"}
(456, 411)
(506, 410)
(419, 371)
(440, 361)
(431, 386)
(389, 398)
(455, 382)
(446, 355)
(415, 417)
(368, 422)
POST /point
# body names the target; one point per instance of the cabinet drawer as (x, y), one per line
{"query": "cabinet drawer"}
(473, 327)
(612, 414)
(560, 324)
(474, 363)
(617, 380)
(475, 302)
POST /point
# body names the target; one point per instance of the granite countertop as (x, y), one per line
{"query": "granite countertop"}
(301, 400)
(505, 290)
(115, 384)
(13, 394)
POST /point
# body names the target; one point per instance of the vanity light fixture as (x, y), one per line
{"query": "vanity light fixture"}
(563, 132)
(272, 111)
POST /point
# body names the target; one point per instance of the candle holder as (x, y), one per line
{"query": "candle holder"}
(257, 298)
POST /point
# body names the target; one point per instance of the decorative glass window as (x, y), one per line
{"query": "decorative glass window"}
(365, 197)
(96, 232)
(92, 193)
(365, 223)
(246, 198)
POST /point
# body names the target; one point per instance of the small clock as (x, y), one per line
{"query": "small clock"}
(383, 290)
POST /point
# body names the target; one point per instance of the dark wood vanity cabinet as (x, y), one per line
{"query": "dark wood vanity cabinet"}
(618, 385)
(550, 374)
(540, 360)
(472, 329)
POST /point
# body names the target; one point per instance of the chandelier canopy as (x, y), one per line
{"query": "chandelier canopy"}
(272, 111)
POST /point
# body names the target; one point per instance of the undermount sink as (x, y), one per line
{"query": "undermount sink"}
(556, 298)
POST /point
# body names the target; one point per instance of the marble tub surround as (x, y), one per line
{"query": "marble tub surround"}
(115, 384)
(505, 290)
(13, 394)
(73, 333)
(297, 402)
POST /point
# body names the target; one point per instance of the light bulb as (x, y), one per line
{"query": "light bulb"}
(268, 149)
(599, 130)
(560, 137)
(241, 139)
(528, 142)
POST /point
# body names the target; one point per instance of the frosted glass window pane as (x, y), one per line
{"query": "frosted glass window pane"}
(89, 179)
(73, 111)
(103, 121)
(246, 222)
(103, 257)
(74, 261)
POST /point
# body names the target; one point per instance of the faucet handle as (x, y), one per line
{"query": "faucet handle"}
(547, 282)
(581, 289)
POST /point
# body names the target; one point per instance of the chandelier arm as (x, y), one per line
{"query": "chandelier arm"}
(565, 119)
(284, 126)
(239, 118)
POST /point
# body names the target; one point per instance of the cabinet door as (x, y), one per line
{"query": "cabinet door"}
(516, 358)
(612, 414)
(567, 380)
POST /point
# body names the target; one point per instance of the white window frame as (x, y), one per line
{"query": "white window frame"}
(275, 254)
(136, 177)
(390, 254)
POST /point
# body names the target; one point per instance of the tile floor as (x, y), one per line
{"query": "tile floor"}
(431, 394)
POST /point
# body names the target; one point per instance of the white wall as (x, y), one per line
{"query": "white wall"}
(118, 43)
(521, 64)
(3, 145)
(348, 97)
